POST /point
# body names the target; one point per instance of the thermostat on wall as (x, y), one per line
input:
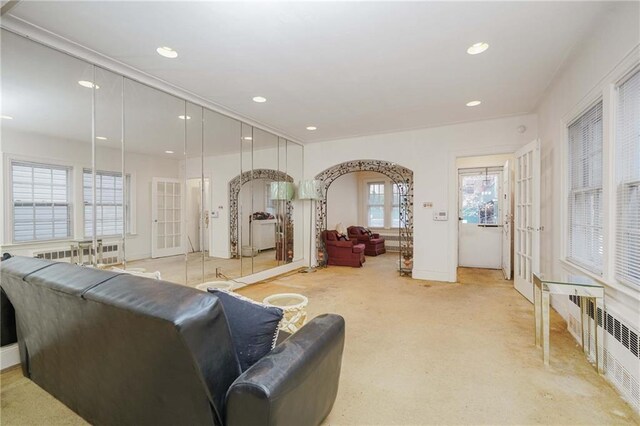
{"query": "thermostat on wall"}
(440, 215)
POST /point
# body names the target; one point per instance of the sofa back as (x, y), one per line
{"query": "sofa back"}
(119, 349)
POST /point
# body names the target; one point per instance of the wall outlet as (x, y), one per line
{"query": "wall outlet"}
(214, 215)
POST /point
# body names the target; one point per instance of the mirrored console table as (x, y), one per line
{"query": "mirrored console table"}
(585, 288)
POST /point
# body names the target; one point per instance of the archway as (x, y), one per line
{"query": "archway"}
(235, 185)
(400, 175)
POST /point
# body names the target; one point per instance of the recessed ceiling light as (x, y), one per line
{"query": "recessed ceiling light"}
(167, 52)
(6, 117)
(182, 117)
(88, 84)
(169, 152)
(473, 103)
(259, 99)
(477, 48)
(312, 128)
(102, 138)
(248, 138)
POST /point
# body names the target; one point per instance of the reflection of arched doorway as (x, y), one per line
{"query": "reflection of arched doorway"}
(234, 191)
(400, 175)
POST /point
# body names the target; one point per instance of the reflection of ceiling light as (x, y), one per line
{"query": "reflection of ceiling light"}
(88, 84)
(311, 128)
(259, 99)
(182, 117)
(102, 138)
(474, 103)
(6, 117)
(248, 138)
(477, 48)
(167, 52)
(169, 152)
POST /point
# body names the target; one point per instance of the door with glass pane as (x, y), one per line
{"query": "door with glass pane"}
(507, 221)
(479, 231)
(167, 218)
(526, 221)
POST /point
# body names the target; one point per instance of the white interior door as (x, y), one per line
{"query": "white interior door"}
(479, 224)
(527, 213)
(166, 226)
(507, 220)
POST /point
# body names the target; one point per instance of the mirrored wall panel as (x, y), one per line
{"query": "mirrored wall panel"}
(105, 171)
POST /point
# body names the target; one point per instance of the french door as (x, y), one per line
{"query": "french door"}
(166, 226)
(527, 218)
(507, 220)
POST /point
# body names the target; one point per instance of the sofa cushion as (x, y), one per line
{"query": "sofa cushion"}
(253, 326)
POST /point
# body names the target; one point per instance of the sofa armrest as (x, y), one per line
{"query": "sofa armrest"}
(375, 235)
(296, 383)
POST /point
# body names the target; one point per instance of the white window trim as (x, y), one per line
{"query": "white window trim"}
(363, 192)
(8, 197)
(124, 202)
(605, 90)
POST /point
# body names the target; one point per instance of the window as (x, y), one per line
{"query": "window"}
(41, 201)
(395, 206)
(109, 204)
(585, 220)
(479, 196)
(375, 205)
(627, 266)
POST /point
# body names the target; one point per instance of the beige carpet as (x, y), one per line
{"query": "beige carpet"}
(421, 353)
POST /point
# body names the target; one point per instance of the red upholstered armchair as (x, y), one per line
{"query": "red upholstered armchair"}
(341, 252)
(373, 243)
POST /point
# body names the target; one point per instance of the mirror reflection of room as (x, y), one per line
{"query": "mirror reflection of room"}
(108, 172)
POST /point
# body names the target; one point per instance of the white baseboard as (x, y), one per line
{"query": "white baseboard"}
(9, 356)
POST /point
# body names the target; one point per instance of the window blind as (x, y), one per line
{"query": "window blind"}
(41, 206)
(627, 265)
(585, 191)
(109, 203)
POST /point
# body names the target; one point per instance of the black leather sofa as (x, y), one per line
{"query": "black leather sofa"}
(119, 349)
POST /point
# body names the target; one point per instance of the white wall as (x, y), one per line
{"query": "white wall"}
(39, 148)
(431, 153)
(342, 201)
(609, 51)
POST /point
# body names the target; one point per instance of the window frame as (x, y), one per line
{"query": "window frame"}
(9, 204)
(598, 190)
(617, 185)
(128, 226)
(387, 205)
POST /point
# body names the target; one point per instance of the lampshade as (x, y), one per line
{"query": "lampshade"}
(310, 190)
(281, 190)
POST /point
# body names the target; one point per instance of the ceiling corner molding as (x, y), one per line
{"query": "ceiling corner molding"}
(7, 6)
(40, 35)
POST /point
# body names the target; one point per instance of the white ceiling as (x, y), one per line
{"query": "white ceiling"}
(349, 68)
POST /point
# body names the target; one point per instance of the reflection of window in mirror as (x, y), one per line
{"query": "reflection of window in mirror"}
(271, 205)
(109, 203)
(41, 198)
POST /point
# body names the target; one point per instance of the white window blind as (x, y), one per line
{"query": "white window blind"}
(585, 191)
(375, 204)
(109, 203)
(627, 265)
(41, 206)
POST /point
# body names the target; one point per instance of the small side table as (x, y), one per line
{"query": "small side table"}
(295, 310)
(572, 285)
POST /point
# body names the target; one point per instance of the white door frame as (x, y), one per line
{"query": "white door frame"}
(527, 226)
(452, 264)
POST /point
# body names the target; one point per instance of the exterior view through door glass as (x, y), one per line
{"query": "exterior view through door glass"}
(480, 243)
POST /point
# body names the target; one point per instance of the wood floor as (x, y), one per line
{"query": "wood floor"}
(420, 352)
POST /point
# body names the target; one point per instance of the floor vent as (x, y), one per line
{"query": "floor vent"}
(615, 371)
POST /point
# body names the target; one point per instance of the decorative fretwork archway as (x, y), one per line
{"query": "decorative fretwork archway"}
(235, 185)
(399, 175)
